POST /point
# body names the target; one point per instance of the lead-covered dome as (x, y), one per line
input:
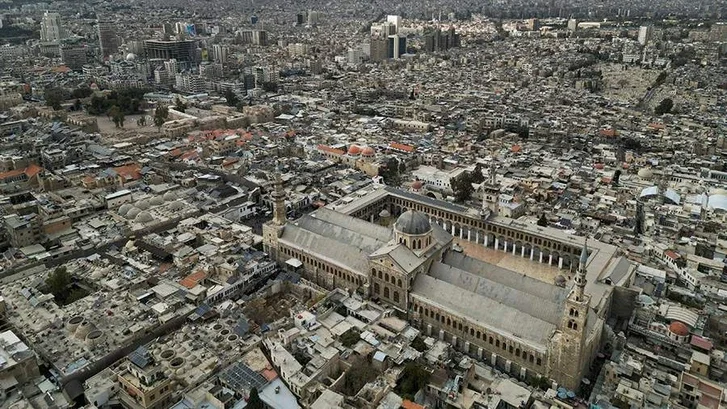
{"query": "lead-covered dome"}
(413, 223)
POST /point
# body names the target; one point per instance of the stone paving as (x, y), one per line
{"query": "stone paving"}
(542, 272)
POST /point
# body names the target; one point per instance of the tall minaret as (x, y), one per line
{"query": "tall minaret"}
(273, 229)
(580, 280)
(278, 195)
(570, 353)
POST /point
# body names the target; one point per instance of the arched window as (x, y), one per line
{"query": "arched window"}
(531, 358)
(396, 296)
(386, 292)
(376, 288)
(387, 277)
(517, 352)
(398, 282)
(479, 335)
(497, 342)
(490, 340)
(472, 332)
(539, 362)
(449, 322)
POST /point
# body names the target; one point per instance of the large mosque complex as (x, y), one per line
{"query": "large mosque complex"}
(399, 247)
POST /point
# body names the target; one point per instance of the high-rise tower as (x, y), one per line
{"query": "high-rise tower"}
(107, 40)
(51, 28)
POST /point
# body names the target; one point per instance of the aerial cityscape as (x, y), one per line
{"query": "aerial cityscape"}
(207, 204)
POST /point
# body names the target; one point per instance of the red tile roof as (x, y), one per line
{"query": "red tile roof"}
(326, 148)
(402, 147)
(129, 172)
(702, 343)
(193, 279)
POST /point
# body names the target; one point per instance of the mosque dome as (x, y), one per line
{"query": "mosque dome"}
(384, 213)
(142, 204)
(368, 151)
(646, 173)
(130, 57)
(414, 223)
(124, 209)
(143, 217)
(679, 328)
(133, 212)
(176, 205)
(417, 185)
(156, 200)
(354, 150)
(169, 196)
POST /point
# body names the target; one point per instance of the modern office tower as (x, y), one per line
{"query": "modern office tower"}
(171, 66)
(180, 50)
(51, 28)
(645, 33)
(355, 56)
(260, 37)
(572, 25)
(395, 21)
(73, 56)
(437, 40)
(314, 17)
(384, 29)
(379, 49)
(533, 24)
(161, 76)
(219, 53)
(397, 46)
(107, 40)
(315, 66)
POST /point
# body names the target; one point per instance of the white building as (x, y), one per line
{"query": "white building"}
(51, 28)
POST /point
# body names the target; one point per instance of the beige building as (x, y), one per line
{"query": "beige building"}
(519, 324)
(143, 384)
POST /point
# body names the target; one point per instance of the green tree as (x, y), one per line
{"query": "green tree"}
(141, 121)
(58, 281)
(254, 401)
(350, 337)
(664, 107)
(161, 113)
(462, 187)
(82, 92)
(413, 378)
(54, 97)
(543, 221)
(179, 105)
(117, 115)
(231, 98)
(477, 176)
(77, 106)
(270, 86)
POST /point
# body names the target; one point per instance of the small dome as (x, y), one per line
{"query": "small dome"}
(354, 150)
(169, 196)
(417, 185)
(176, 205)
(368, 151)
(130, 57)
(384, 213)
(646, 173)
(143, 204)
(156, 200)
(133, 212)
(411, 222)
(143, 217)
(124, 209)
(679, 328)
(560, 280)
